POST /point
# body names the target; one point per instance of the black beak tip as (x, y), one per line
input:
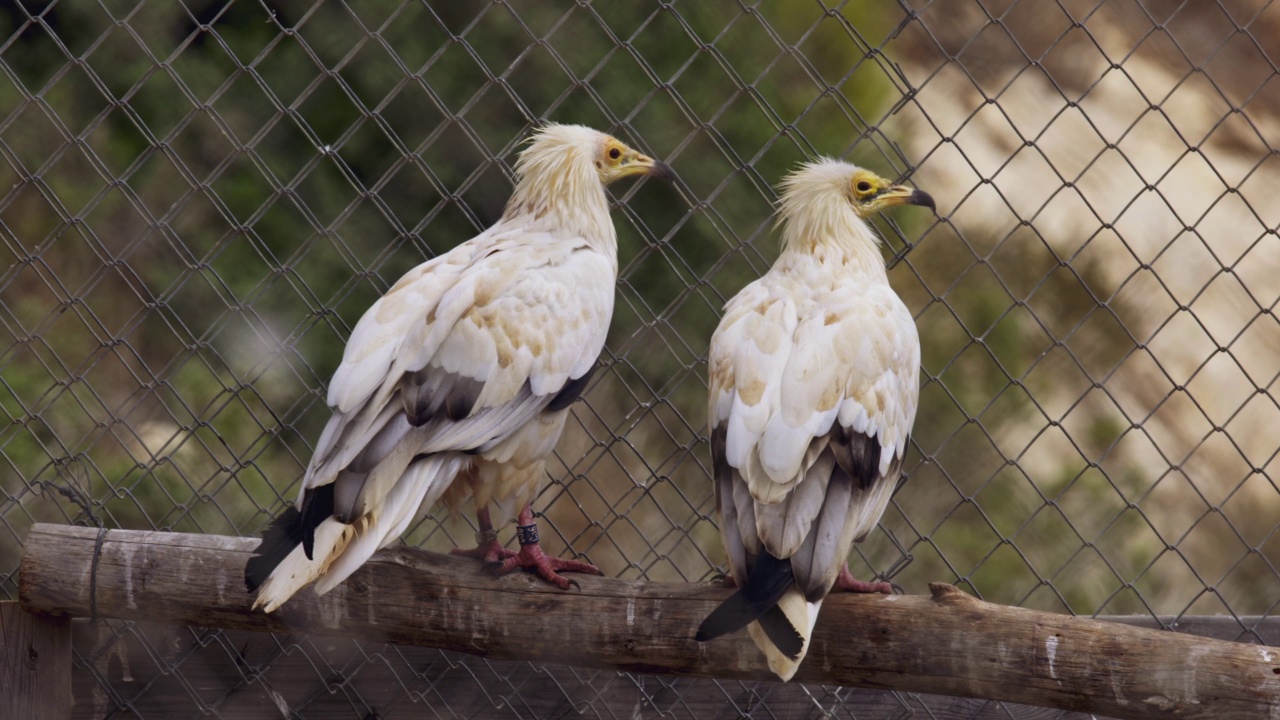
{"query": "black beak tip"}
(663, 171)
(923, 199)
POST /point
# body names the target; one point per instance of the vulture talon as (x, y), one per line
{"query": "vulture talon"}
(532, 558)
(848, 583)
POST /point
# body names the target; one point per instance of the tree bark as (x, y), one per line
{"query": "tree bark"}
(946, 643)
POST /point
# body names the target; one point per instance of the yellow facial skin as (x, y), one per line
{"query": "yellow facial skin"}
(617, 161)
(872, 193)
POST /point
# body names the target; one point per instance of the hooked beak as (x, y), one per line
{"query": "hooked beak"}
(638, 164)
(903, 195)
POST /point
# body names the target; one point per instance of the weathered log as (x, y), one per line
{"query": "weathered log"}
(157, 670)
(35, 663)
(947, 643)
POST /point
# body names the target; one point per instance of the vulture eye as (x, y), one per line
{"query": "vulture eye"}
(864, 186)
(614, 153)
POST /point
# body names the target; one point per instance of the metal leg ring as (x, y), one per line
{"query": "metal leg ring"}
(527, 534)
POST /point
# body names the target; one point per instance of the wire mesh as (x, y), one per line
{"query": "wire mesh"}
(199, 199)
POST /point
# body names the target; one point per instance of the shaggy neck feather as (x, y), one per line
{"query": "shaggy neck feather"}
(560, 193)
(825, 224)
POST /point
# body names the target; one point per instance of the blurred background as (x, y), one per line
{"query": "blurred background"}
(198, 200)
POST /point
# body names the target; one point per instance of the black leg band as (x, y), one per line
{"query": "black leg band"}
(527, 534)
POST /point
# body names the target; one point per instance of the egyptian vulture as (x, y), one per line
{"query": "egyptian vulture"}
(813, 387)
(456, 383)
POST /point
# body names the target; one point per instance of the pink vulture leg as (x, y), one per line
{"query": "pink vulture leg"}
(531, 556)
(845, 581)
(487, 546)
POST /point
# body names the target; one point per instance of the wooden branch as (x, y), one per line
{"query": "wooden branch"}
(947, 643)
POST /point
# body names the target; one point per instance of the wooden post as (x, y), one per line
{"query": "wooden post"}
(947, 643)
(35, 663)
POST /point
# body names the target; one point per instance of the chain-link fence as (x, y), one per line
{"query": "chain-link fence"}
(198, 200)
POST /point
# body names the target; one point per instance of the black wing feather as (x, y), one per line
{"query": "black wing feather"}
(431, 393)
(571, 391)
(858, 454)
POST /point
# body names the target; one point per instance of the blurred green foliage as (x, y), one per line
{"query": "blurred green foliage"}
(204, 202)
(197, 206)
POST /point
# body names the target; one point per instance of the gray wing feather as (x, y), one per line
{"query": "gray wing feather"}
(884, 494)
(350, 487)
(484, 428)
(818, 561)
(783, 526)
(745, 508)
(730, 529)
(474, 433)
(852, 464)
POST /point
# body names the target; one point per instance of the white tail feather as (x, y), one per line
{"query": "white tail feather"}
(340, 548)
(802, 615)
(419, 487)
(295, 571)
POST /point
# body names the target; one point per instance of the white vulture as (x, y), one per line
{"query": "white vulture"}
(456, 383)
(814, 378)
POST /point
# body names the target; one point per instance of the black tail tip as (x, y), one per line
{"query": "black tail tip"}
(732, 614)
(278, 540)
(781, 632)
(785, 637)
